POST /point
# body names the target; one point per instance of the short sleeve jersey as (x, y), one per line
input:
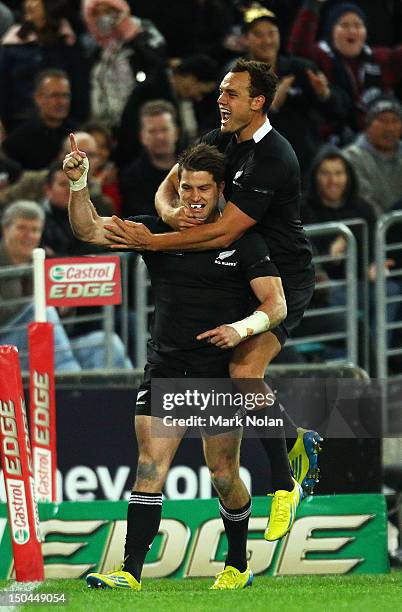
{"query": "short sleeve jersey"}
(197, 291)
(263, 180)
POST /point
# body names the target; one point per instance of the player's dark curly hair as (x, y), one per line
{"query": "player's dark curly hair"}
(263, 80)
(203, 157)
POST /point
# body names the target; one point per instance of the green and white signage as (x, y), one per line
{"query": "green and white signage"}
(331, 535)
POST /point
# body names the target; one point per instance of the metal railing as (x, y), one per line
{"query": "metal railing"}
(143, 309)
(363, 265)
(387, 249)
(346, 335)
(384, 250)
(349, 282)
(144, 305)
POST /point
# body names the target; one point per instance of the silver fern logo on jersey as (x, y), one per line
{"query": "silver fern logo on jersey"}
(225, 255)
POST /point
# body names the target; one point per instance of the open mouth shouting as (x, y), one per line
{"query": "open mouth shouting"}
(225, 115)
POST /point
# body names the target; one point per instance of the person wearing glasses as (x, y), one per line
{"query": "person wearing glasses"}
(49, 125)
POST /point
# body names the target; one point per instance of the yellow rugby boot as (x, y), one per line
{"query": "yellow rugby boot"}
(283, 512)
(231, 578)
(116, 579)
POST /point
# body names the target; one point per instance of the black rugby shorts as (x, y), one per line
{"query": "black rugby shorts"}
(165, 370)
(297, 301)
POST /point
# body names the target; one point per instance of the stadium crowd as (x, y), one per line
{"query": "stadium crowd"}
(138, 82)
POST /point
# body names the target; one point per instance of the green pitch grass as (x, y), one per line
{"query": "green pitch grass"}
(284, 594)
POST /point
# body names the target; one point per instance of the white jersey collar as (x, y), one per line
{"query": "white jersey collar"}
(262, 131)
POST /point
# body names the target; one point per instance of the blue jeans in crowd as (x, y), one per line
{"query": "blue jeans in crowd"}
(83, 352)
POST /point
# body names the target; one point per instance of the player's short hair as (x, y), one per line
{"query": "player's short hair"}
(27, 209)
(153, 108)
(50, 73)
(203, 158)
(263, 80)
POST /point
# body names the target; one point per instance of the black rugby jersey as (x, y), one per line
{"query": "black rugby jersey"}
(263, 180)
(197, 291)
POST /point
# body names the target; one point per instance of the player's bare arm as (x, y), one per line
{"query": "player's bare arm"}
(85, 222)
(228, 228)
(271, 311)
(220, 234)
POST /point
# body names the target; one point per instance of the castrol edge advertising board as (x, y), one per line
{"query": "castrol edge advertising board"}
(83, 281)
(13, 472)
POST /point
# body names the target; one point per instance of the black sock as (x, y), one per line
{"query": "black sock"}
(277, 453)
(274, 444)
(236, 527)
(143, 519)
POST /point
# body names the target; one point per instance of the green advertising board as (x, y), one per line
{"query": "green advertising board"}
(331, 535)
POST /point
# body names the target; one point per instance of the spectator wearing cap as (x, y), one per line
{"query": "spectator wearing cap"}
(304, 96)
(345, 58)
(127, 51)
(190, 85)
(376, 155)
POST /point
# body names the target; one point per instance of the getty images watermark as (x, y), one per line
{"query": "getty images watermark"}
(337, 408)
(245, 408)
(212, 406)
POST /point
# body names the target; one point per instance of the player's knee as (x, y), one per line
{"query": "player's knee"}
(151, 473)
(223, 478)
(249, 370)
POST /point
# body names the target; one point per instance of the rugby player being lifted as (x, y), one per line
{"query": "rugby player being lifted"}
(262, 190)
(188, 340)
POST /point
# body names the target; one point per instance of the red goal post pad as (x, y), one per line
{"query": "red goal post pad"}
(42, 407)
(16, 460)
(83, 281)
